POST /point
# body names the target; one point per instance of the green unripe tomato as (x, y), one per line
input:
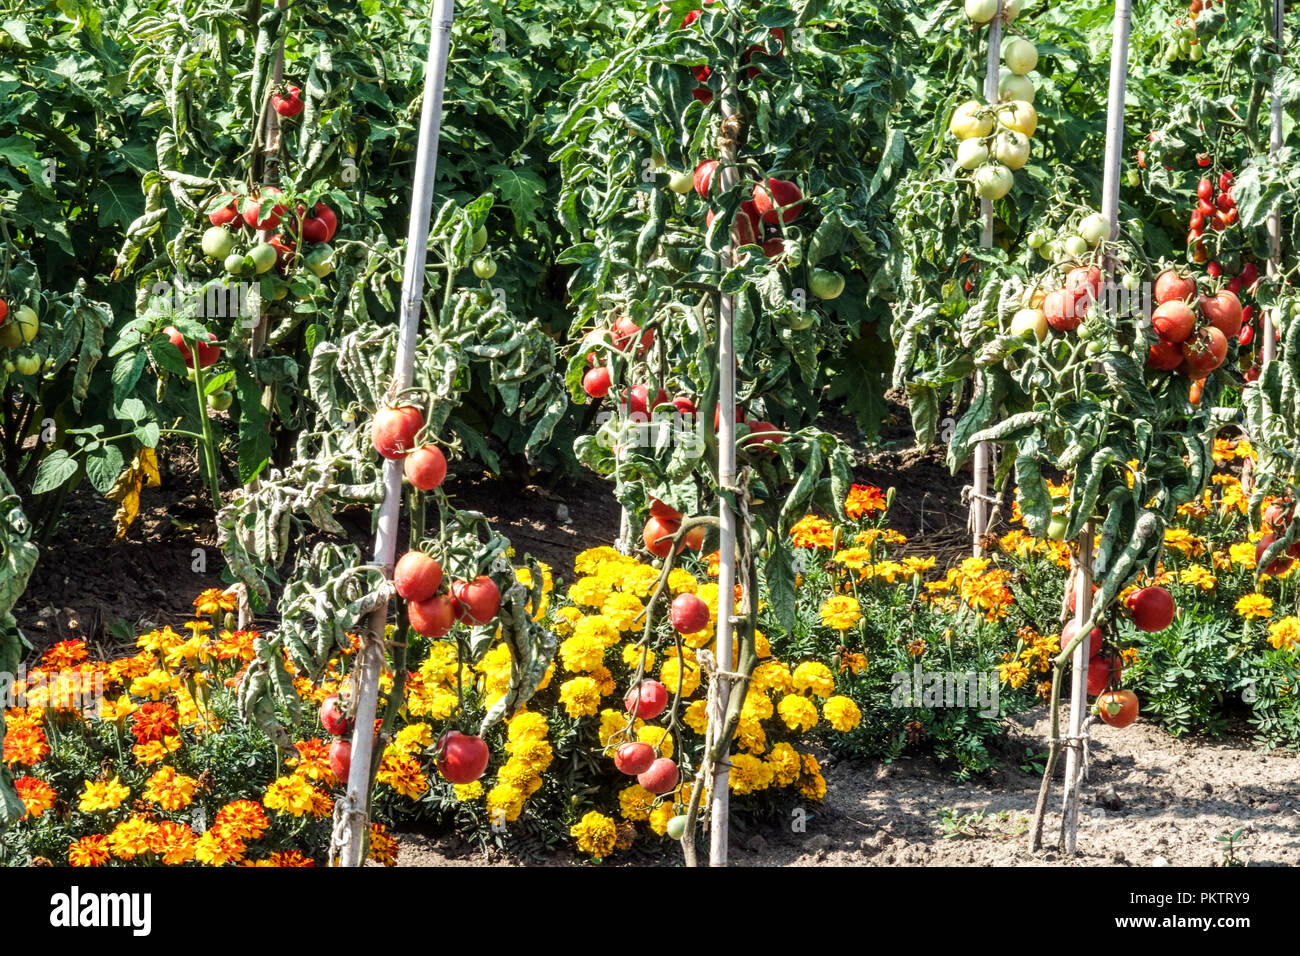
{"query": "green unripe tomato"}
(235, 264)
(478, 240)
(1076, 247)
(676, 827)
(485, 267)
(681, 182)
(1133, 178)
(1036, 239)
(263, 256)
(802, 320)
(217, 242)
(29, 363)
(320, 261)
(220, 401)
(826, 284)
(1130, 282)
(27, 321)
(1057, 526)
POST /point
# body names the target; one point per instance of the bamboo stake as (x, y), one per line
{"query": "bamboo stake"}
(719, 793)
(1274, 267)
(371, 656)
(980, 467)
(270, 153)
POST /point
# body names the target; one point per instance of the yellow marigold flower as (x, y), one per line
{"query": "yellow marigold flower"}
(635, 803)
(596, 628)
(613, 722)
(173, 843)
(816, 677)
(468, 791)
(103, 796)
(525, 727)
(214, 601)
(563, 620)
(290, 795)
(131, 838)
(864, 500)
(580, 697)
(504, 803)
(811, 784)
(593, 558)
(640, 579)
(536, 754)
(696, 716)
(1255, 605)
(595, 834)
(517, 774)
(670, 672)
(1199, 576)
(412, 739)
(757, 707)
(1284, 634)
(623, 611)
(581, 653)
(1242, 554)
(242, 820)
(772, 676)
(681, 581)
(155, 685)
(1127, 656)
(840, 612)
(604, 679)
(750, 735)
(89, 851)
(657, 737)
(170, 790)
(1184, 542)
(215, 848)
(749, 774)
(762, 646)
(785, 763)
(798, 713)
(588, 592)
(632, 657)
(1013, 673)
(404, 775)
(916, 567)
(842, 713)
(660, 816)
(812, 532)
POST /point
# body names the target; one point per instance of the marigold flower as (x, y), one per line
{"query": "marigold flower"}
(1254, 605)
(37, 795)
(580, 697)
(290, 795)
(214, 601)
(404, 775)
(812, 532)
(842, 713)
(798, 713)
(173, 843)
(785, 764)
(217, 848)
(840, 612)
(816, 677)
(1284, 634)
(504, 803)
(383, 847)
(170, 790)
(581, 653)
(242, 820)
(107, 795)
(864, 500)
(89, 851)
(635, 802)
(132, 838)
(595, 834)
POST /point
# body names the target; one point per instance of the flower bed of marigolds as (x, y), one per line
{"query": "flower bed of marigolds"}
(166, 773)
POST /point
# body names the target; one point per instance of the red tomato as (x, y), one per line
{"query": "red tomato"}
(319, 224)
(1225, 202)
(1223, 311)
(462, 758)
(646, 701)
(340, 759)
(1118, 708)
(625, 332)
(288, 103)
(392, 433)
(1165, 356)
(477, 600)
(1102, 672)
(1152, 609)
(704, 173)
(1173, 321)
(778, 200)
(1170, 285)
(638, 402)
(226, 214)
(688, 614)
(1279, 564)
(1095, 639)
(597, 382)
(208, 354)
(663, 511)
(332, 717)
(1206, 350)
(432, 618)
(417, 576)
(1205, 189)
(1225, 180)
(634, 757)
(657, 536)
(1060, 310)
(1083, 281)
(661, 778)
(253, 215)
(426, 467)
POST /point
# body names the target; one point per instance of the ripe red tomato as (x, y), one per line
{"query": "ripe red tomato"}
(694, 539)
(647, 701)
(341, 759)
(634, 757)
(1165, 356)
(1279, 564)
(688, 614)
(597, 381)
(661, 778)
(1224, 202)
(1102, 672)
(1083, 281)
(1234, 285)
(426, 467)
(1214, 269)
(1205, 189)
(1074, 594)
(1170, 285)
(761, 433)
(1058, 309)
(656, 536)
(1223, 311)
(639, 400)
(417, 576)
(704, 173)
(1152, 609)
(1205, 350)
(1118, 708)
(1246, 335)
(462, 758)
(284, 251)
(773, 247)
(685, 406)
(332, 717)
(432, 618)
(702, 73)
(1071, 628)
(1279, 513)
(208, 354)
(1173, 321)
(254, 216)
(287, 103)
(703, 94)
(477, 601)
(319, 224)
(625, 331)
(226, 214)
(1197, 222)
(393, 430)
(778, 200)
(1249, 273)
(717, 417)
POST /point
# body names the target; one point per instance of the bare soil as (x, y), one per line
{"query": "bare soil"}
(1149, 800)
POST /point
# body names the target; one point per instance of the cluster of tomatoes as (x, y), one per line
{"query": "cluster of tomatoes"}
(703, 71)
(994, 141)
(1192, 329)
(17, 329)
(308, 229)
(1152, 610)
(418, 576)
(461, 758)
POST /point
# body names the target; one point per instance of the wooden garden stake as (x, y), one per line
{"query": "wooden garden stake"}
(980, 466)
(1269, 327)
(355, 811)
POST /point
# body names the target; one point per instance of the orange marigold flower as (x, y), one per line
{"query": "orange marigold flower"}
(64, 654)
(383, 847)
(214, 601)
(173, 843)
(154, 722)
(242, 819)
(37, 795)
(863, 500)
(89, 851)
(812, 532)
